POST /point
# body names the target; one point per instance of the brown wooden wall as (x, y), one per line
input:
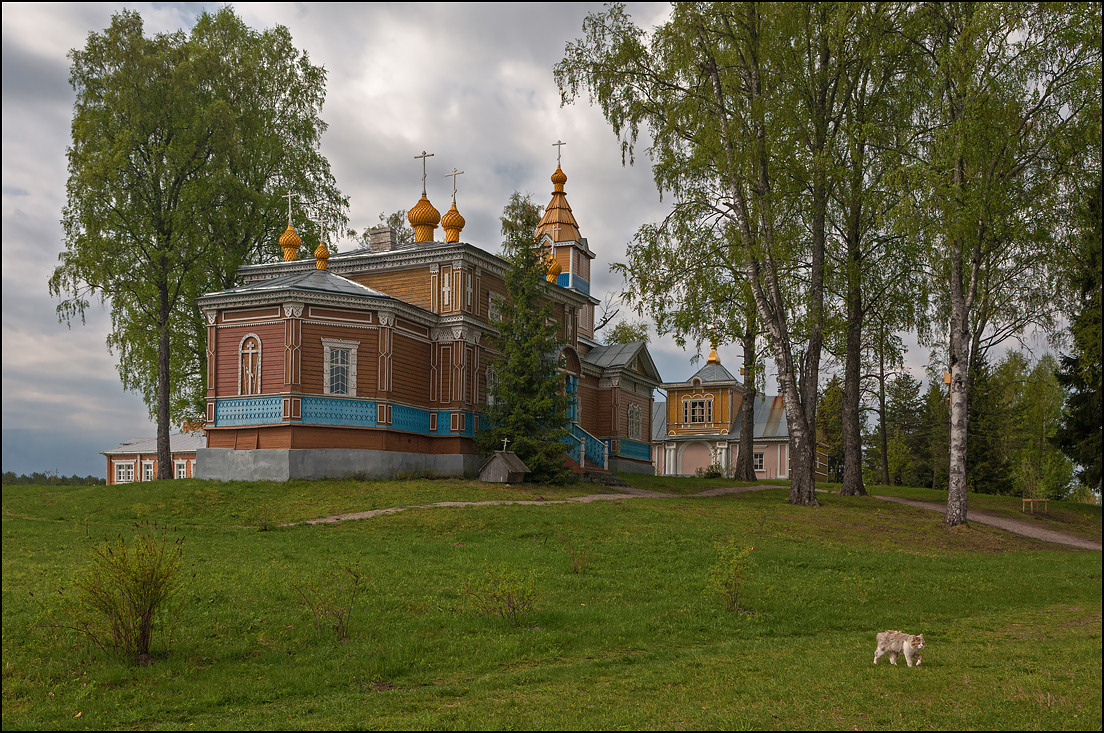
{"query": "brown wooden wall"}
(313, 436)
(410, 286)
(313, 370)
(227, 355)
(588, 404)
(409, 370)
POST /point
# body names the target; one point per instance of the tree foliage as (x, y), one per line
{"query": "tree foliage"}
(183, 145)
(1079, 434)
(528, 404)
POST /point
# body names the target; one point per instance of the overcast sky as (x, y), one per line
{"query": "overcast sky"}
(470, 83)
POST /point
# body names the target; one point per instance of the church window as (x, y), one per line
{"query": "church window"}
(757, 462)
(492, 380)
(180, 469)
(124, 472)
(446, 291)
(634, 422)
(697, 411)
(249, 365)
(339, 363)
(494, 307)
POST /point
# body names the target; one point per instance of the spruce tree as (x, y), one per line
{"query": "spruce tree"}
(528, 404)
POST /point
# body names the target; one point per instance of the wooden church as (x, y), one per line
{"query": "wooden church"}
(375, 362)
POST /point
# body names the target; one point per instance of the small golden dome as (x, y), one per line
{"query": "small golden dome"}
(424, 218)
(321, 256)
(453, 224)
(290, 242)
(554, 268)
(713, 357)
(559, 178)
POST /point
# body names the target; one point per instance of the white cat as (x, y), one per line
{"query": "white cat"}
(897, 642)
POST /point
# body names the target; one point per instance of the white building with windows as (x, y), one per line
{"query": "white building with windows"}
(136, 459)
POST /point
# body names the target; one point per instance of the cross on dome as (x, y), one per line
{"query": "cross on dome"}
(423, 156)
(453, 175)
(558, 145)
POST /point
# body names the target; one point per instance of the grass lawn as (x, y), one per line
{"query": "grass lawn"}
(638, 639)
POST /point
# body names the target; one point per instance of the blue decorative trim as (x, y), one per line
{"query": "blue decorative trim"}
(248, 411)
(574, 448)
(412, 420)
(335, 411)
(563, 279)
(444, 420)
(581, 285)
(635, 449)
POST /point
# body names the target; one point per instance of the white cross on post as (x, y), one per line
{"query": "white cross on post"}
(504, 442)
(557, 145)
(454, 174)
(289, 196)
(423, 156)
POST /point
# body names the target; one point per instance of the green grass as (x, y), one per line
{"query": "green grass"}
(688, 485)
(637, 640)
(1082, 520)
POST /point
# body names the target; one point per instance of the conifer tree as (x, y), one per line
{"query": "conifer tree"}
(528, 405)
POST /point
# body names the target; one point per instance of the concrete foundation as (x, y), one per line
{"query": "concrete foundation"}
(225, 464)
(630, 465)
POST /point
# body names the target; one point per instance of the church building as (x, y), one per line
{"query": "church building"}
(376, 362)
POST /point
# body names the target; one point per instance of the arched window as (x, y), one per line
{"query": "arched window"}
(249, 365)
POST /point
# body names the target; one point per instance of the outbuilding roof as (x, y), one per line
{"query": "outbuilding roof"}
(181, 443)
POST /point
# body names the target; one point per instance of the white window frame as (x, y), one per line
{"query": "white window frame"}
(147, 471)
(241, 353)
(124, 472)
(491, 379)
(634, 415)
(494, 307)
(759, 461)
(329, 345)
(180, 469)
(692, 405)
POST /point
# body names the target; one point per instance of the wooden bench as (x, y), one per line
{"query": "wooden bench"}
(1032, 502)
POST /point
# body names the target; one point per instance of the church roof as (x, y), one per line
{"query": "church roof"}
(311, 281)
(182, 443)
(558, 222)
(714, 373)
(620, 356)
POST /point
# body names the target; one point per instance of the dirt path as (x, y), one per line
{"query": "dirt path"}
(626, 492)
(1008, 525)
(623, 492)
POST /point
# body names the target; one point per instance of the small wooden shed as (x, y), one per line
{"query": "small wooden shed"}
(504, 467)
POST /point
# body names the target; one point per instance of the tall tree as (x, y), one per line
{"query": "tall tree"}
(743, 103)
(182, 147)
(830, 426)
(1010, 88)
(1079, 434)
(529, 404)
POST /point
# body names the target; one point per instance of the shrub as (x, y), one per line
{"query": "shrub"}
(729, 572)
(502, 593)
(580, 553)
(127, 591)
(331, 603)
(714, 470)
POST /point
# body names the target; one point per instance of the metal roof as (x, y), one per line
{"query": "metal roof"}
(182, 443)
(612, 356)
(312, 281)
(713, 373)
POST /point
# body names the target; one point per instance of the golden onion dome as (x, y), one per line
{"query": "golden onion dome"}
(713, 357)
(321, 256)
(559, 178)
(290, 243)
(424, 218)
(554, 268)
(453, 224)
